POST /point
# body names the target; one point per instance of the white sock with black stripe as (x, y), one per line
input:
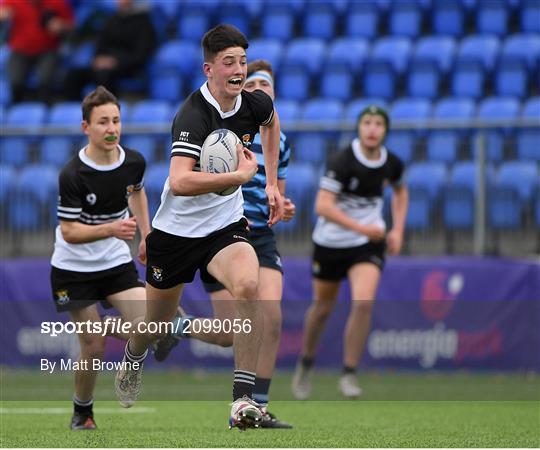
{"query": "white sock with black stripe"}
(244, 382)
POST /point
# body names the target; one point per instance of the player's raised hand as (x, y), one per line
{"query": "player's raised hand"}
(374, 233)
(247, 163)
(289, 210)
(275, 203)
(124, 229)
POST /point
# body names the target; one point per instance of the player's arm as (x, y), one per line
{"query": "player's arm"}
(270, 140)
(183, 180)
(289, 208)
(79, 233)
(400, 204)
(138, 204)
(326, 206)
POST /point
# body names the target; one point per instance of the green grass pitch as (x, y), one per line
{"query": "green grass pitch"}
(179, 409)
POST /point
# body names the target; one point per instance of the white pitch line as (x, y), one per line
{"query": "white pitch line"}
(141, 410)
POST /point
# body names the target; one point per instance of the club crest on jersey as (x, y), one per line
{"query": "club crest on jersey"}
(316, 267)
(246, 140)
(62, 296)
(130, 189)
(91, 199)
(157, 273)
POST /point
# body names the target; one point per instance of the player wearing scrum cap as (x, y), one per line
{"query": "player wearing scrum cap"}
(259, 76)
(350, 241)
(196, 229)
(91, 260)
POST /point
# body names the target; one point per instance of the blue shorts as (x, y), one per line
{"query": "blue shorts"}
(264, 242)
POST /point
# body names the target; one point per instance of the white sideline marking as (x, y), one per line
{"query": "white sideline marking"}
(141, 410)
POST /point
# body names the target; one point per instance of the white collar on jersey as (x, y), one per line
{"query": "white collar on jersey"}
(210, 99)
(85, 159)
(373, 164)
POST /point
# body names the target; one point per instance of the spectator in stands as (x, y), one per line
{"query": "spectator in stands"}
(123, 47)
(350, 241)
(36, 30)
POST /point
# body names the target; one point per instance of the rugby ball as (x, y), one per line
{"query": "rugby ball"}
(218, 155)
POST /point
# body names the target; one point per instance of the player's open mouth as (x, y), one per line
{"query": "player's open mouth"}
(236, 81)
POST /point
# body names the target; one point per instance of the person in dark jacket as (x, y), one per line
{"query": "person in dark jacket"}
(123, 47)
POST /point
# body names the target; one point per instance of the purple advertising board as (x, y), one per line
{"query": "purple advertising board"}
(430, 313)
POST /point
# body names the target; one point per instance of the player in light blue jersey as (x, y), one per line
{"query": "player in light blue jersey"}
(256, 210)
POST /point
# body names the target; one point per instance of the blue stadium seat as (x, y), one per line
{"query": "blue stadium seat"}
(464, 174)
(277, 23)
(326, 110)
(337, 82)
(497, 108)
(319, 21)
(420, 209)
(236, 16)
(362, 20)
(24, 212)
(66, 114)
(27, 115)
(56, 150)
(8, 179)
(531, 109)
(504, 210)
(528, 138)
(193, 24)
(414, 109)
(530, 16)
(355, 107)
(403, 144)
(405, 19)
(307, 52)
(511, 78)
(310, 148)
(479, 48)
(166, 85)
(5, 92)
(442, 146)
(252, 7)
(169, 10)
(536, 207)
(151, 112)
(293, 83)
(520, 175)
(82, 56)
(423, 80)
(154, 179)
(379, 80)
(458, 207)
(14, 151)
(197, 80)
(454, 108)
(145, 145)
(525, 47)
(492, 17)
(183, 56)
(438, 49)
(448, 18)
(302, 183)
(41, 180)
(468, 80)
(351, 52)
(268, 49)
(394, 50)
(4, 57)
(288, 110)
(431, 176)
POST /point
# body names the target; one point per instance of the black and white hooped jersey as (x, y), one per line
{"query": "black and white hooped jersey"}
(200, 215)
(358, 183)
(93, 194)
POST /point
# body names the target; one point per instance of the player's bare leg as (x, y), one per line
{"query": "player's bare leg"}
(364, 279)
(92, 346)
(237, 268)
(161, 306)
(325, 295)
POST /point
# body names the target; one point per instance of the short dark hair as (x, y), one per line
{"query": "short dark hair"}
(260, 64)
(100, 96)
(221, 37)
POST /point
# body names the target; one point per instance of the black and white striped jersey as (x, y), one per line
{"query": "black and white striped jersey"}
(200, 215)
(358, 184)
(93, 194)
